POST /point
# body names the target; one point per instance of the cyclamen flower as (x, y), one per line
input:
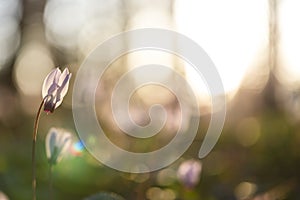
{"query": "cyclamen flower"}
(189, 172)
(57, 143)
(55, 87)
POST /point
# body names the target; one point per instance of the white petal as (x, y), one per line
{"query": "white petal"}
(64, 83)
(52, 78)
(63, 89)
(64, 143)
(58, 103)
(48, 82)
(63, 76)
(51, 140)
(63, 137)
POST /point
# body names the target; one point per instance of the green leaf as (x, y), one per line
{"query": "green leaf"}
(104, 196)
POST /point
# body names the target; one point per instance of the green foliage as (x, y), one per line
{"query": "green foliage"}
(105, 196)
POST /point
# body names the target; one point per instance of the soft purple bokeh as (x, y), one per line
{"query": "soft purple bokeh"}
(189, 173)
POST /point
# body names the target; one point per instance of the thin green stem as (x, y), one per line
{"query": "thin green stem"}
(50, 181)
(33, 163)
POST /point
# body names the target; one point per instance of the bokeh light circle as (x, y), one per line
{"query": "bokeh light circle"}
(92, 70)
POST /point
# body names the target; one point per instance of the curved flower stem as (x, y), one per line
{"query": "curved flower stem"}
(35, 129)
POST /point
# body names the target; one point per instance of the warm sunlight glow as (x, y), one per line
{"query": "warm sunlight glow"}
(289, 71)
(229, 31)
(29, 75)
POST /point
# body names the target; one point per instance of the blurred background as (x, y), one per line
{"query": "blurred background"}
(255, 46)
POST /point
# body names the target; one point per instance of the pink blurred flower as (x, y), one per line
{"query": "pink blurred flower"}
(3, 196)
(55, 87)
(189, 173)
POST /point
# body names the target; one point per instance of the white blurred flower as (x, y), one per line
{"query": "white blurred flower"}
(189, 173)
(55, 87)
(57, 143)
